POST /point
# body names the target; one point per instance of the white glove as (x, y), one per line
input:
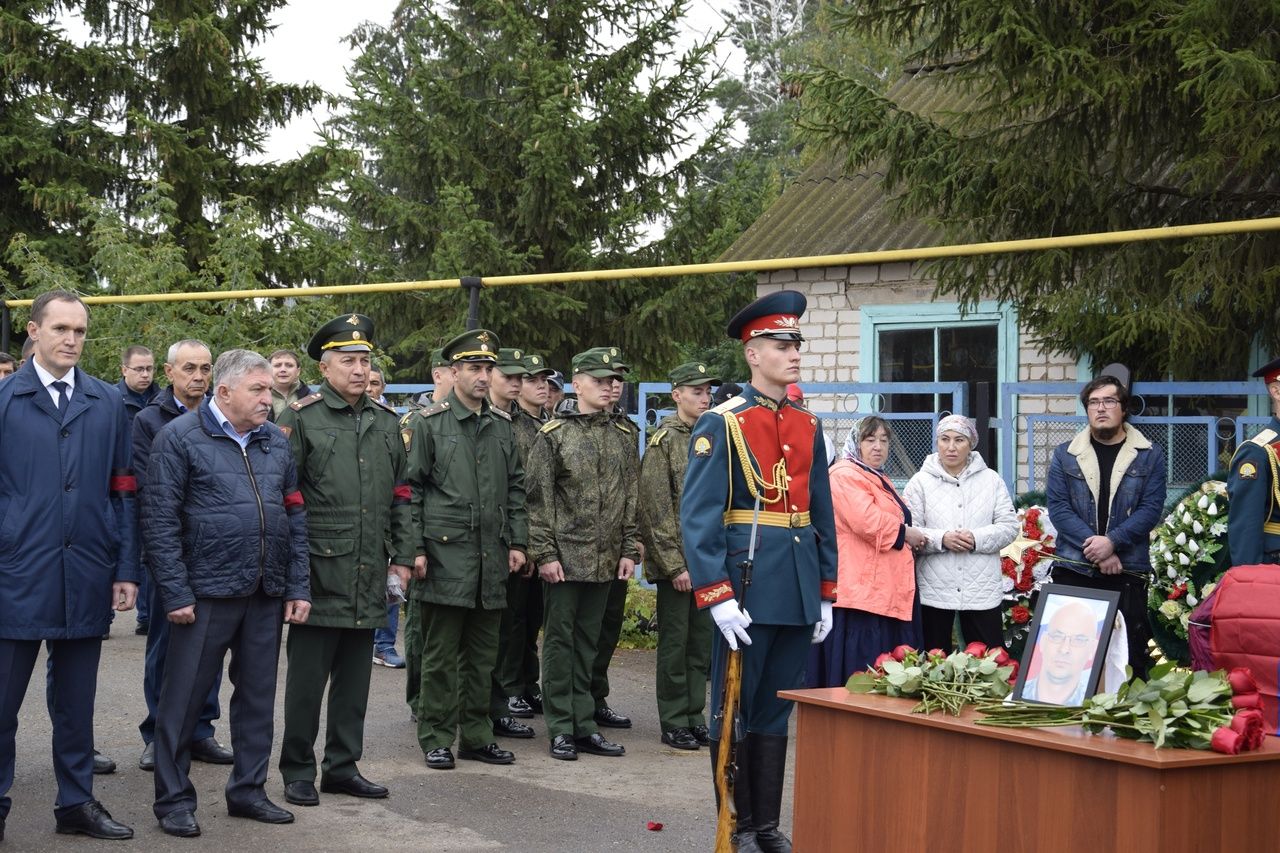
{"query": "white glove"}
(732, 622)
(823, 626)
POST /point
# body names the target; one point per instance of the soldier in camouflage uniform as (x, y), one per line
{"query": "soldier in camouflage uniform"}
(582, 509)
(442, 379)
(516, 678)
(615, 608)
(469, 508)
(351, 469)
(684, 631)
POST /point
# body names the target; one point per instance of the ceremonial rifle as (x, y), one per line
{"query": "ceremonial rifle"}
(731, 715)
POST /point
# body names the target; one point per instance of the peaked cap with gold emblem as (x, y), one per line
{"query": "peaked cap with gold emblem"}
(348, 333)
(475, 345)
(775, 315)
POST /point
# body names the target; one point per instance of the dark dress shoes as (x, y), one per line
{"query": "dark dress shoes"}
(102, 765)
(263, 811)
(356, 786)
(440, 758)
(511, 727)
(563, 748)
(181, 823)
(211, 752)
(93, 820)
(301, 793)
(491, 754)
(148, 759)
(518, 707)
(534, 701)
(702, 735)
(610, 718)
(597, 745)
(680, 739)
(141, 631)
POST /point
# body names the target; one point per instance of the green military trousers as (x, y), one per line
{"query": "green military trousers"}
(684, 658)
(571, 616)
(341, 658)
(412, 653)
(517, 671)
(459, 651)
(610, 630)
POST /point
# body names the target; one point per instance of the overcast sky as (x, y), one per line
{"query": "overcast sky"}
(308, 46)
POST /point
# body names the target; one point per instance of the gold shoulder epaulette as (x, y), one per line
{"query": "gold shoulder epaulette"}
(626, 426)
(728, 405)
(1264, 438)
(500, 413)
(656, 438)
(298, 405)
(553, 424)
(408, 416)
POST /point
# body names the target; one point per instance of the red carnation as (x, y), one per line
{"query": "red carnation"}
(1226, 741)
(976, 649)
(1177, 591)
(902, 651)
(1033, 515)
(1020, 614)
(1241, 680)
(1024, 583)
(1008, 567)
(1244, 701)
(880, 661)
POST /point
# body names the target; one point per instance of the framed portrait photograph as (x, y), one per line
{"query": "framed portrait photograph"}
(1066, 645)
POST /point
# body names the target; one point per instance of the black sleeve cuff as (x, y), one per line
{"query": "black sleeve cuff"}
(902, 538)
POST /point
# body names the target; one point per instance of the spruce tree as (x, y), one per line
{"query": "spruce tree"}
(1062, 118)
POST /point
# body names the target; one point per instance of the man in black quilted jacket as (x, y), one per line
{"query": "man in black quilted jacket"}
(226, 542)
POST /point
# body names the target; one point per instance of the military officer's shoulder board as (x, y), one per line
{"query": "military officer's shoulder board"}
(299, 405)
(552, 425)
(1266, 440)
(656, 438)
(407, 420)
(625, 425)
(435, 409)
(384, 407)
(728, 405)
(1262, 439)
(504, 415)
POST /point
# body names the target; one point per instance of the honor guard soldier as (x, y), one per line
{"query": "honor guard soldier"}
(469, 514)
(351, 471)
(616, 607)
(583, 538)
(1253, 525)
(517, 673)
(684, 631)
(761, 451)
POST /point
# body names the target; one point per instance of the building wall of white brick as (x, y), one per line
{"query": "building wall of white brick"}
(833, 329)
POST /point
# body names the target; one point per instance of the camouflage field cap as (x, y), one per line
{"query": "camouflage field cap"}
(536, 365)
(511, 361)
(692, 373)
(598, 362)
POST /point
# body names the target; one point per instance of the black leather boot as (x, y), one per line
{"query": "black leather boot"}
(767, 763)
(744, 836)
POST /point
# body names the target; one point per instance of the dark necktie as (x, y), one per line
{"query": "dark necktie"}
(61, 388)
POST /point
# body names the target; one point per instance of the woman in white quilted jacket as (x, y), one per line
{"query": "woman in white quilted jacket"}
(964, 510)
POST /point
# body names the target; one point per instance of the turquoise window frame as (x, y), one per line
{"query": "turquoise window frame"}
(929, 315)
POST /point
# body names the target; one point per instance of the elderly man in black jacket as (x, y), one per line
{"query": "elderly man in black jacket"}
(225, 537)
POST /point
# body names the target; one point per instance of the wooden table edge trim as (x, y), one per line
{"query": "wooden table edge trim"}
(1071, 739)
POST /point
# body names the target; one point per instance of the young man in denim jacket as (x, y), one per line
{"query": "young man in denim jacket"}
(1106, 492)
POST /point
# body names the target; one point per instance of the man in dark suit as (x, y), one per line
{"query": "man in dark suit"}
(68, 548)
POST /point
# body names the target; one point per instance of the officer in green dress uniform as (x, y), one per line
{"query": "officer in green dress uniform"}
(1253, 524)
(583, 538)
(616, 607)
(517, 672)
(684, 631)
(442, 380)
(760, 449)
(469, 511)
(351, 471)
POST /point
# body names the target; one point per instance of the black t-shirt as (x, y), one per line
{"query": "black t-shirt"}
(1106, 454)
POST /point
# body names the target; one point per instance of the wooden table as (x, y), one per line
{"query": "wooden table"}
(872, 776)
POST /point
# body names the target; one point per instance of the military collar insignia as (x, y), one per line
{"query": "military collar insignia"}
(762, 400)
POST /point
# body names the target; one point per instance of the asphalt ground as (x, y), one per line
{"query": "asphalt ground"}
(535, 804)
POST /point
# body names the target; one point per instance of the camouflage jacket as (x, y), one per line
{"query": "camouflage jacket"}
(526, 427)
(468, 502)
(661, 482)
(582, 473)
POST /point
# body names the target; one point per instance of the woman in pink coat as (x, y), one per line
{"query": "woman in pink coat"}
(876, 608)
